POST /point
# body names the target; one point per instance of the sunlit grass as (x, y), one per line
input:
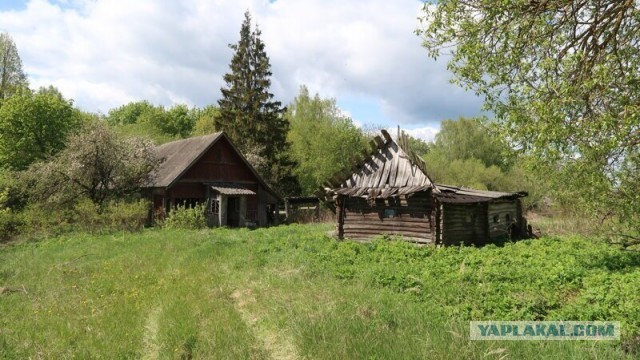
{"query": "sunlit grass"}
(285, 292)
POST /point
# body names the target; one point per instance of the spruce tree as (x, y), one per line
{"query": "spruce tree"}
(249, 114)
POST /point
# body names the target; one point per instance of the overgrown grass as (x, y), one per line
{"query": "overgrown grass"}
(291, 292)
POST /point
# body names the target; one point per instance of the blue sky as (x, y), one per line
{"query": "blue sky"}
(106, 53)
(12, 5)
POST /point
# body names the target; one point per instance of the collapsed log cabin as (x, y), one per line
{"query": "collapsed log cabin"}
(388, 191)
(210, 170)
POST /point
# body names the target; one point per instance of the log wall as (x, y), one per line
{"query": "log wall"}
(409, 216)
(464, 223)
(503, 216)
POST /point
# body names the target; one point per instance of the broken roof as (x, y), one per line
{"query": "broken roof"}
(384, 171)
(458, 194)
(389, 169)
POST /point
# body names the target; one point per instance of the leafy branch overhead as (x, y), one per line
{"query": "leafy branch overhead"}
(562, 78)
(570, 67)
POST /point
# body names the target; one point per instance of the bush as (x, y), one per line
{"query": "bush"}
(41, 221)
(10, 224)
(127, 216)
(183, 217)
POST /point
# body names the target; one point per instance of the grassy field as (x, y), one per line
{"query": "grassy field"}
(290, 292)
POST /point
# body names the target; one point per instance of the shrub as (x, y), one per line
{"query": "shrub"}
(183, 217)
(127, 216)
(40, 220)
(9, 224)
(37, 220)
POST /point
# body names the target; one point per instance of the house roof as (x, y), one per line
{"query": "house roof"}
(458, 194)
(387, 170)
(179, 156)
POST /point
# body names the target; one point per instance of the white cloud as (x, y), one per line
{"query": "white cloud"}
(426, 133)
(104, 53)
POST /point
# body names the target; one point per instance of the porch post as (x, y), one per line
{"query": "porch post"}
(242, 221)
(223, 210)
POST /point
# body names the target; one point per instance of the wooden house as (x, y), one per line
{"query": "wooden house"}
(388, 191)
(210, 170)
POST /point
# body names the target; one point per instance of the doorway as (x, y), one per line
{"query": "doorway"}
(233, 211)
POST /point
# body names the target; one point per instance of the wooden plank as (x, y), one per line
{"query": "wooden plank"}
(388, 159)
(425, 233)
(359, 191)
(386, 135)
(353, 227)
(375, 219)
(376, 180)
(354, 219)
(400, 211)
(418, 233)
(406, 174)
(349, 233)
(394, 167)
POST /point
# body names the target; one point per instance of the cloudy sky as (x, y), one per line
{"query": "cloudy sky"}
(106, 53)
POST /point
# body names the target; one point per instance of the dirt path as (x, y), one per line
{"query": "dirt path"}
(150, 346)
(278, 345)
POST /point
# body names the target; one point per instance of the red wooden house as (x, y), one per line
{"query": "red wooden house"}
(210, 170)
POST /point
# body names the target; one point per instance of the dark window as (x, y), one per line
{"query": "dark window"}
(507, 218)
(496, 219)
(389, 213)
(215, 206)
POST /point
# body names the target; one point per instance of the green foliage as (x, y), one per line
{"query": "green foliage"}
(35, 126)
(563, 84)
(37, 221)
(323, 140)
(155, 122)
(467, 153)
(184, 217)
(418, 146)
(9, 223)
(289, 290)
(470, 138)
(114, 216)
(249, 115)
(12, 194)
(204, 120)
(129, 113)
(12, 77)
(97, 164)
(465, 172)
(546, 279)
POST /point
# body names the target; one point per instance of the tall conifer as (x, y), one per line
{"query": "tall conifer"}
(250, 115)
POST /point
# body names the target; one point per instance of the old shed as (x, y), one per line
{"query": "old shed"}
(210, 170)
(477, 217)
(388, 191)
